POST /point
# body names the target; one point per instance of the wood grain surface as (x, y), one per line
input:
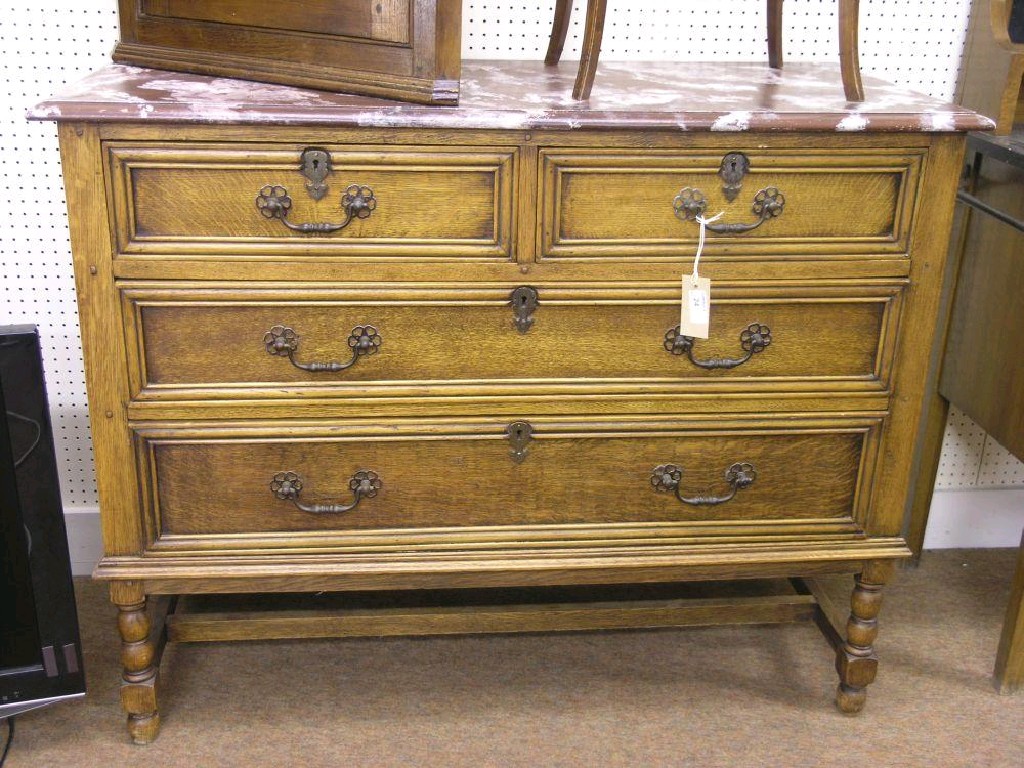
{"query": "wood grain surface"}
(202, 199)
(256, 624)
(607, 204)
(405, 49)
(180, 278)
(469, 478)
(983, 369)
(581, 336)
(384, 20)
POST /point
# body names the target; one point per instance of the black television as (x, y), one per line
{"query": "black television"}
(40, 649)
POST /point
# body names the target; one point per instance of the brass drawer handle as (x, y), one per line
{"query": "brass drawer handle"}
(358, 202)
(667, 477)
(753, 340)
(287, 486)
(284, 342)
(691, 203)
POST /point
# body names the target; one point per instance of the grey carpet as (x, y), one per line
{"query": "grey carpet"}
(745, 696)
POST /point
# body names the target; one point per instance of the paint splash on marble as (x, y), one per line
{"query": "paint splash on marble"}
(734, 121)
(855, 122)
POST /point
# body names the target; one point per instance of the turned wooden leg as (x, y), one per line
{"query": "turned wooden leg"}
(591, 51)
(856, 661)
(138, 656)
(849, 56)
(775, 34)
(559, 30)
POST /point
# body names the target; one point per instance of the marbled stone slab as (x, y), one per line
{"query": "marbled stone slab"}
(526, 95)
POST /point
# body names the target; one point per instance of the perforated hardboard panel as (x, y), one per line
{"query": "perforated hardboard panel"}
(916, 43)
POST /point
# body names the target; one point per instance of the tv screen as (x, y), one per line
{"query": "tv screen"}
(40, 653)
(19, 636)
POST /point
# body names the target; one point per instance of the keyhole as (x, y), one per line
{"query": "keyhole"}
(734, 166)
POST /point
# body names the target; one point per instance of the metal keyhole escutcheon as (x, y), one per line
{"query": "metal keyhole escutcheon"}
(734, 168)
(519, 434)
(315, 166)
(524, 301)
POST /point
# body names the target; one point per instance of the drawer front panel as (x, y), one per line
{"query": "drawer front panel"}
(535, 473)
(195, 343)
(641, 206)
(230, 203)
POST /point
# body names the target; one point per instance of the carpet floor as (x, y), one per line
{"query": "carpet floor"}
(728, 696)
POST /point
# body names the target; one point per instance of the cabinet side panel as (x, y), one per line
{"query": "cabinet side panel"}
(913, 388)
(102, 338)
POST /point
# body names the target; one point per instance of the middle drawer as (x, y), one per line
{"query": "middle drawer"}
(197, 342)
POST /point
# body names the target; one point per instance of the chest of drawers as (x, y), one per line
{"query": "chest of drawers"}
(334, 343)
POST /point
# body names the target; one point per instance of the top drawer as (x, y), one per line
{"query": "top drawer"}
(273, 200)
(641, 205)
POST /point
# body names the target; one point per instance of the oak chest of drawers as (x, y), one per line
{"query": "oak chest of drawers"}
(334, 343)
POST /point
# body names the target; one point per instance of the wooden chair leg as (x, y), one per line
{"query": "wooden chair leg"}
(591, 49)
(849, 57)
(559, 30)
(775, 34)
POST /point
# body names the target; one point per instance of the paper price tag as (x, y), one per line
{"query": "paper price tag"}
(695, 310)
(696, 307)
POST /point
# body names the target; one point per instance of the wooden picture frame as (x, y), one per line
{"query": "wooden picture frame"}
(401, 49)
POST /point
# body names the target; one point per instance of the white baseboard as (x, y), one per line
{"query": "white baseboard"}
(975, 518)
(85, 543)
(960, 519)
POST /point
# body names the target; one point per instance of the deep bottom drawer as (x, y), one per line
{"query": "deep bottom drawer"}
(404, 476)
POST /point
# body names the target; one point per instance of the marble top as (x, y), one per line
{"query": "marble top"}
(526, 95)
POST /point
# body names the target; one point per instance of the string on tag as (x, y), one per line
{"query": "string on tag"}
(700, 243)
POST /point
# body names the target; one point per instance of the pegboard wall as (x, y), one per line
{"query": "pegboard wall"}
(916, 43)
